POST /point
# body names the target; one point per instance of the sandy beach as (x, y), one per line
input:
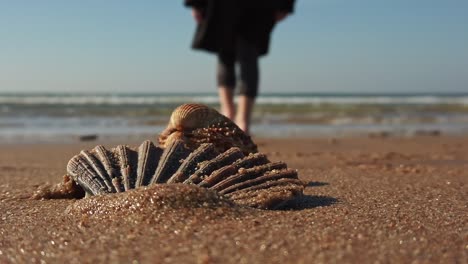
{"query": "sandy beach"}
(367, 200)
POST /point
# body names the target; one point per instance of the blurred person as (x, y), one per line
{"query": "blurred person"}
(238, 31)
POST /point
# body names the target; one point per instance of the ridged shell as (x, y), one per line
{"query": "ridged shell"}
(196, 124)
(250, 180)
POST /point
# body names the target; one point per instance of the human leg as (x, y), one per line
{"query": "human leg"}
(247, 57)
(226, 100)
(226, 83)
(245, 106)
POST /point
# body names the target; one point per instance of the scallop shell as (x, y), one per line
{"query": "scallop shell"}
(196, 124)
(250, 180)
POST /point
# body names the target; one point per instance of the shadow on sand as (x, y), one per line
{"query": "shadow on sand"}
(316, 184)
(309, 201)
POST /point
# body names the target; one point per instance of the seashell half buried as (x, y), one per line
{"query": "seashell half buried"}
(250, 180)
(196, 124)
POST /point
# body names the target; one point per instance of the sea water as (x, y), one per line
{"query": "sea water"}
(60, 117)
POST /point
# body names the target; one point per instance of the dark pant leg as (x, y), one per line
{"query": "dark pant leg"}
(247, 56)
(226, 75)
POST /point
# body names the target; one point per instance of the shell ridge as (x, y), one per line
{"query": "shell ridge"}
(252, 160)
(127, 157)
(83, 173)
(99, 170)
(169, 161)
(218, 175)
(118, 184)
(206, 168)
(295, 183)
(147, 153)
(247, 162)
(274, 175)
(103, 157)
(203, 153)
(110, 166)
(245, 174)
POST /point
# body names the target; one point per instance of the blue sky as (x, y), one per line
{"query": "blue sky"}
(347, 46)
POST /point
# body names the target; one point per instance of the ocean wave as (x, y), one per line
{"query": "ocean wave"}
(291, 99)
(104, 100)
(382, 100)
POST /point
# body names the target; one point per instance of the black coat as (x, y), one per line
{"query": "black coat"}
(225, 20)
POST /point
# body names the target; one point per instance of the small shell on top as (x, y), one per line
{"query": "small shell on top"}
(196, 124)
(192, 116)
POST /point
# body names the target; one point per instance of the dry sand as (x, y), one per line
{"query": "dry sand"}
(374, 200)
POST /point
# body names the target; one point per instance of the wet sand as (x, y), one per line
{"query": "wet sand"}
(374, 200)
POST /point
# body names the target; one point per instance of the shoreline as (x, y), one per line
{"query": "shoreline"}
(72, 134)
(64, 118)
